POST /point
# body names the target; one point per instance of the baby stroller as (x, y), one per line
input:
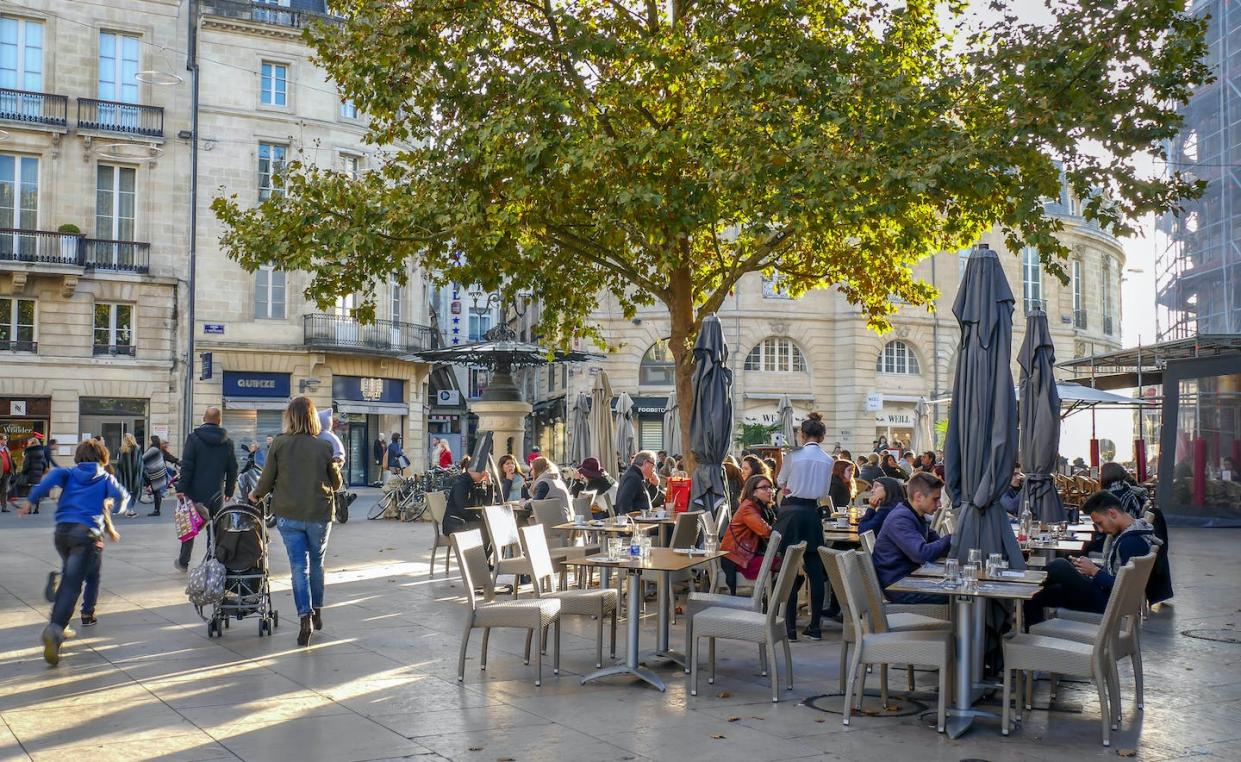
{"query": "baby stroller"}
(238, 536)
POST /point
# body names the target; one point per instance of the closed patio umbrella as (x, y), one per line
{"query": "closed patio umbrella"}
(625, 436)
(581, 429)
(711, 417)
(1039, 419)
(922, 439)
(602, 427)
(784, 410)
(672, 426)
(982, 426)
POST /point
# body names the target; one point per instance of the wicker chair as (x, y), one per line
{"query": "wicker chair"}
(1030, 652)
(933, 610)
(752, 627)
(875, 643)
(583, 504)
(754, 602)
(596, 604)
(534, 615)
(549, 513)
(502, 526)
(437, 502)
(1085, 627)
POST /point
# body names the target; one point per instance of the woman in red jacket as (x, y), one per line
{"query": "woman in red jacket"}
(748, 530)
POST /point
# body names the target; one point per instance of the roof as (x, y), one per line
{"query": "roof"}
(1121, 369)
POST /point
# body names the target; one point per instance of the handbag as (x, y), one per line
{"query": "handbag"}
(187, 519)
(402, 461)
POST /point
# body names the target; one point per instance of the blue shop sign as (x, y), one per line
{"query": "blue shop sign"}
(245, 384)
(368, 389)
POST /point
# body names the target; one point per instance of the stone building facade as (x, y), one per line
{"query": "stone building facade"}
(96, 118)
(819, 351)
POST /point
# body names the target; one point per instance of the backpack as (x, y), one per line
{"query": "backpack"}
(206, 583)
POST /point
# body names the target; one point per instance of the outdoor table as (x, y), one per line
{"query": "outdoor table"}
(608, 526)
(1027, 577)
(967, 634)
(842, 535)
(664, 561)
(1049, 550)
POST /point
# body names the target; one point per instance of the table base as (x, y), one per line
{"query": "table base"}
(960, 720)
(624, 669)
(669, 655)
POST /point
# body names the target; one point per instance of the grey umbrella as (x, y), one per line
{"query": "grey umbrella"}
(982, 426)
(625, 436)
(581, 429)
(602, 428)
(672, 426)
(784, 409)
(1039, 419)
(922, 439)
(711, 417)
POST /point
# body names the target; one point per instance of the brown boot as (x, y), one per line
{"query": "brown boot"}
(303, 635)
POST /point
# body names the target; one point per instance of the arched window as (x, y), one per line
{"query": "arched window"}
(776, 354)
(897, 357)
(657, 368)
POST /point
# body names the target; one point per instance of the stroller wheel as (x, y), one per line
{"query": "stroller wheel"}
(264, 627)
(275, 619)
(226, 623)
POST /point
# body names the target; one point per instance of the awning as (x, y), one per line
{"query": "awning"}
(255, 403)
(372, 408)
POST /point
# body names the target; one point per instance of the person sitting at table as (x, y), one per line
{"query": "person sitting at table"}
(908, 463)
(890, 467)
(751, 465)
(547, 485)
(1010, 498)
(639, 486)
(745, 539)
(805, 478)
(465, 494)
(512, 480)
(907, 541)
(1115, 479)
(843, 488)
(885, 494)
(927, 462)
(1080, 584)
(871, 470)
(594, 479)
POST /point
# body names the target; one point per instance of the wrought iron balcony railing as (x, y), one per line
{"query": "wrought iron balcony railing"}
(34, 108)
(122, 118)
(41, 247)
(346, 334)
(123, 256)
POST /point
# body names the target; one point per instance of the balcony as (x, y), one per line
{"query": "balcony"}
(121, 350)
(34, 108)
(383, 337)
(40, 247)
(121, 118)
(1107, 325)
(120, 256)
(266, 13)
(1079, 319)
(7, 345)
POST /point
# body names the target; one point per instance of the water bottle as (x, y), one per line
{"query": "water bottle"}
(635, 543)
(1027, 523)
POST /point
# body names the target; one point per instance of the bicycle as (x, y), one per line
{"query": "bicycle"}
(409, 501)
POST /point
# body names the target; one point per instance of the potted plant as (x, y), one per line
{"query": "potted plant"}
(69, 242)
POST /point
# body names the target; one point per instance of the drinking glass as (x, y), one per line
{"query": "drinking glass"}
(975, 556)
(970, 574)
(952, 571)
(710, 543)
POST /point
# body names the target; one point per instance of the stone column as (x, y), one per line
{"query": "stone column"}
(506, 420)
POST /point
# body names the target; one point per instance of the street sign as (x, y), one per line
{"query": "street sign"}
(215, 328)
(874, 402)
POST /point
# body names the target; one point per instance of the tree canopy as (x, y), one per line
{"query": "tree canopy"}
(658, 150)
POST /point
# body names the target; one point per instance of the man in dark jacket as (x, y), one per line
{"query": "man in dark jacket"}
(1080, 584)
(639, 485)
(907, 541)
(34, 466)
(208, 472)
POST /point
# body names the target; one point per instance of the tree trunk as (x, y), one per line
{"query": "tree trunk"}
(684, 333)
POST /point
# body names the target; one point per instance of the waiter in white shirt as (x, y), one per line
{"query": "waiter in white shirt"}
(804, 478)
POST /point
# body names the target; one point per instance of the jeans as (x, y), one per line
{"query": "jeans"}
(730, 570)
(81, 554)
(306, 543)
(812, 568)
(916, 598)
(1067, 588)
(158, 498)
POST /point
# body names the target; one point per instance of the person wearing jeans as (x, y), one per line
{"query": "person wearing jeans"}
(83, 516)
(302, 477)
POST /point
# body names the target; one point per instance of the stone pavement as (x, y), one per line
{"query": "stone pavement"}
(379, 682)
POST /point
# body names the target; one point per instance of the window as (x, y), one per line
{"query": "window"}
(963, 260)
(348, 109)
(480, 323)
(19, 204)
(269, 288)
(351, 165)
(657, 368)
(114, 203)
(897, 357)
(776, 355)
(17, 324)
(274, 84)
(395, 303)
(1032, 279)
(271, 163)
(551, 378)
(773, 287)
(1079, 308)
(1106, 301)
(478, 380)
(21, 64)
(114, 326)
(118, 68)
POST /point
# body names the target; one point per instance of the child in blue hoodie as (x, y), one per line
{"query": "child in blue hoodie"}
(83, 516)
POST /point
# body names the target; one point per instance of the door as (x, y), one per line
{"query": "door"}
(357, 445)
(346, 326)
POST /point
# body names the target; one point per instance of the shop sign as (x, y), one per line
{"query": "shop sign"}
(17, 407)
(448, 397)
(367, 389)
(895, 419)
(246, 384)
(874, 402)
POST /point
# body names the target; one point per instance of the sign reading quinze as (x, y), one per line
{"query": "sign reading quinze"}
(246, 384)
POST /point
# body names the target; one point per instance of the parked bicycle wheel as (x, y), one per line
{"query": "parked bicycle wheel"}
(381, 506)
(413, 506)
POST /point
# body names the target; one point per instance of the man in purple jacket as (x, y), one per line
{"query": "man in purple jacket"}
(907, 541)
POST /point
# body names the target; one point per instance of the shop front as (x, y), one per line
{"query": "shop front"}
(254, 404)
(366, 407)
(21, 418)
(648, 414)
(895, 425)
(114, 418)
